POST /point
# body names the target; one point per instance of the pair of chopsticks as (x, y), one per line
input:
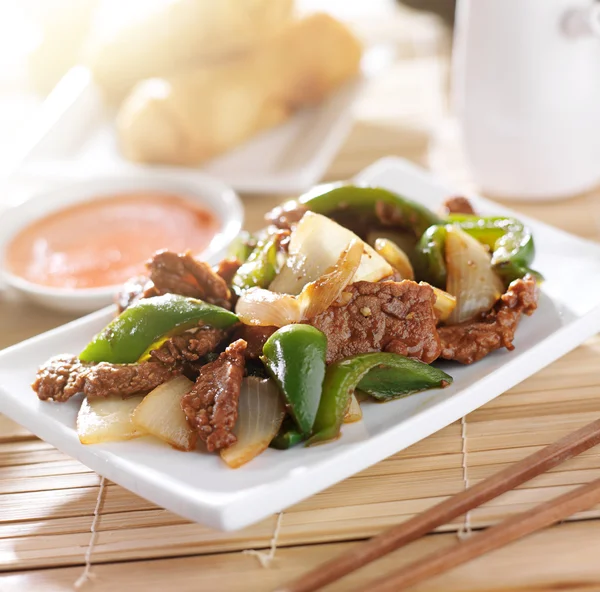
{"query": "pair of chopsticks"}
(492, 538)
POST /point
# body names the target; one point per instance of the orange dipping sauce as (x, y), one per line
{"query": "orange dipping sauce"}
(106, 241)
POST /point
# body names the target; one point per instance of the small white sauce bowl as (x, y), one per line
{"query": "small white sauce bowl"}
(212, 194)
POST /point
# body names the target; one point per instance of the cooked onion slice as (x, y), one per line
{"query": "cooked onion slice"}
(107, 419)
(396, 257)
(316, 244)
(354, 412)
(265, 308)
(257, 306)
(319, 295)
(444, 303)
(471, 278)
(160, 414)
(260, 415)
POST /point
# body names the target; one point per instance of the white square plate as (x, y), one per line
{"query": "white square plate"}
(200, 487)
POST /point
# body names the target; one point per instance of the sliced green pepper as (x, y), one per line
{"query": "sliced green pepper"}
(510, 241)
(242, 246)
(128, 336)
(405, 378)
(260, 268)
(326, 199)
(288, 435)
(343, 377)
(428, 256)
(295, 357)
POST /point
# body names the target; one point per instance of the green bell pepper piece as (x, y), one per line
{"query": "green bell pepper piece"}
(326, 199)
(242, 246)
(344, 376)
(428, 256)
(404, 378)
(288, 436)
(129, 335)
(260, 268)
(510, 241)
(295, 357)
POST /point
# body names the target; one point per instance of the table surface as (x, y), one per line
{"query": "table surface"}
(48, 502)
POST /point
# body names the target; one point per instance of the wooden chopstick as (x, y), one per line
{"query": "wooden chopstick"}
(494, 537)
(501, 482)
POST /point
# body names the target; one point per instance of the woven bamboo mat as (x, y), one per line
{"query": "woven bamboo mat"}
(50, 503)
(513, 568)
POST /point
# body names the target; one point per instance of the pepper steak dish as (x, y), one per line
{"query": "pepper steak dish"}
(349, 293)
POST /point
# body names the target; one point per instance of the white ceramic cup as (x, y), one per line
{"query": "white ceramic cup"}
(526, 91)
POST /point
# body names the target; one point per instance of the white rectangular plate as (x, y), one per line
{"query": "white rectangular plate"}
(200, 487)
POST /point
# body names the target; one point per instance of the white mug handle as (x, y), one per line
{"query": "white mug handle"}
(583, 22)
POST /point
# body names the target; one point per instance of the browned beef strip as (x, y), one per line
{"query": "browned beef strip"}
(286, 215)
(255, 337)
(125, 380)
(64, 376)
(60, 378)
(187, 347)
(135, 289)
(173, 273)
(211, 407)
(473, 340)
(227, 268)
(396, 317)
(395, 277)
(457, 204)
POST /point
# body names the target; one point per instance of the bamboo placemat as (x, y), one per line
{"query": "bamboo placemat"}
(50, 504)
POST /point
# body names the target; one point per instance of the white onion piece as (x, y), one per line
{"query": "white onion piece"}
(264, 308)
(260, 415)
(444, 303)
(257, 306)
(161, 415)
(107, 419)
(396, 257)
(471, 278)
(316, 244)
(354, 412)
(319, 295)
